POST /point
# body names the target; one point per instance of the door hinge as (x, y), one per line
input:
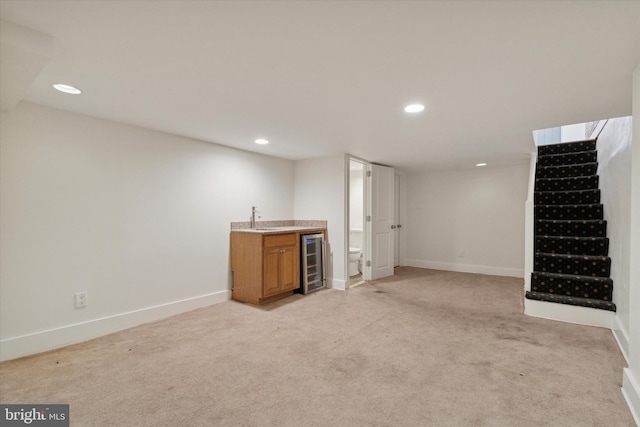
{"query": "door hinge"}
(368, 263)
(368, 218)
(369, 174)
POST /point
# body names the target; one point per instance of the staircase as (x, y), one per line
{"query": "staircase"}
(571, 265)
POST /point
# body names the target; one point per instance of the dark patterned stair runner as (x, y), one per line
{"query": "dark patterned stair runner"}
(566, 171)
(593, 211)
(573, 183)
(568, 159)
(572, 245)
(571, 265)
(567, 197)
(571, 227)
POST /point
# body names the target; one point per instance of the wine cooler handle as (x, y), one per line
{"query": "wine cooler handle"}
(324, 262)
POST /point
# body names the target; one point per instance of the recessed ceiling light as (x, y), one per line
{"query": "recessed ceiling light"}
(414, 108)
(67, 89)
(481, 164)
(261, 141)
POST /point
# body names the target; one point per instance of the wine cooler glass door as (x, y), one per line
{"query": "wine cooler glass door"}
(313, 277)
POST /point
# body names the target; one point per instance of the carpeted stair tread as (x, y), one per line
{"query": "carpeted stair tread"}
(572, 228)
(566, 171)
(573, 183)
(573, 285)
(579, 265)
(567, 147)
(576, 158)
(566, 197)
(569, 212)
(564, 299)
(598, 246)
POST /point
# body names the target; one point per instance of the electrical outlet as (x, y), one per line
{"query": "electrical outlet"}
(461, 253)
(80, 300)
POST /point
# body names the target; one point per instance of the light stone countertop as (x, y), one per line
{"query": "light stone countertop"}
(276, 230)
(278, 227)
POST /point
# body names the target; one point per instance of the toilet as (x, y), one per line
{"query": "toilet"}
(354, 261)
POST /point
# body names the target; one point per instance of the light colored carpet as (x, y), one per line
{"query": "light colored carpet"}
(424, 348)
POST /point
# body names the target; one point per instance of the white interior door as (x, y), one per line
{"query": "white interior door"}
(396, 216)
(382, 210)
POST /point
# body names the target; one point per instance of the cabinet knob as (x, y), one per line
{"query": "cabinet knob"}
(393, 227)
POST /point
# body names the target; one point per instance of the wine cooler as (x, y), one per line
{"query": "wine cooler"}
(313, 263)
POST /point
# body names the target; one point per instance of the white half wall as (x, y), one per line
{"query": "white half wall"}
(468, 220)
(138, 219)
(614, 170)
(320, 194)
(631, 375)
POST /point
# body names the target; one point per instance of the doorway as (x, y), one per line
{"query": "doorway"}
(357, 229)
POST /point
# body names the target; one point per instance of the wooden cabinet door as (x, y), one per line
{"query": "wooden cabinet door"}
(271, 279)
(287, 268)
(280, 270)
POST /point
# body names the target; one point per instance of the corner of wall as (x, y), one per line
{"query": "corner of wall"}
(630, 386)
(631, 393)
(621, 336)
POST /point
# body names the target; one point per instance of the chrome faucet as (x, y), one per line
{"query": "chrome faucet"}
(252, 223)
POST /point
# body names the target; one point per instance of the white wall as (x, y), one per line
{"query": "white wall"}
(138, 219)
(614, 169)
(631, 377)
(320, 193)
(479, 211)
(573, 132)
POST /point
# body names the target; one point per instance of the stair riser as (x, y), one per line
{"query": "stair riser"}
(567, 147)
(568, 159)
(586, 197)
(566, 171)
(567, 184)
(578, 229)
(572, 246)
(572, 287)
(568, 212)
(578, 265)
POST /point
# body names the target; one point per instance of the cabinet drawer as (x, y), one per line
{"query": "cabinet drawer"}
(280, 240)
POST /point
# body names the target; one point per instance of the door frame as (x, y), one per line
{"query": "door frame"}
(365, 231)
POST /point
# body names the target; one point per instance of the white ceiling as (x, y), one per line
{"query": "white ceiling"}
(325, 77)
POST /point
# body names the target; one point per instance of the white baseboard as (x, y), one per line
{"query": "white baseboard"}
(631, 393)
(622, 338)
(338, 284)
(466, 268)
(527, 280)
(12, 348)
(569, 313)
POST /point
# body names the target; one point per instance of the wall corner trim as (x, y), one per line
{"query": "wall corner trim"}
(338, 284)
(622, 337)
(25, 345)
(631, 393)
